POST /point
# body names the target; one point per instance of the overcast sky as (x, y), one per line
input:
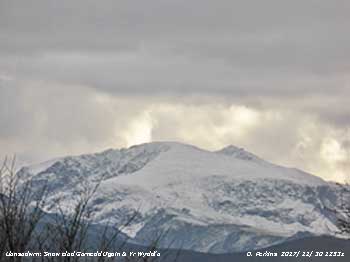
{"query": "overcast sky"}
(271, 76)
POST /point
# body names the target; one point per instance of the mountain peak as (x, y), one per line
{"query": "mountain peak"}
(161, 163)
(236, 198)
(238, 152)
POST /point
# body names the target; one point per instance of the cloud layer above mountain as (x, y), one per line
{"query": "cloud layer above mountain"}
(271, 76)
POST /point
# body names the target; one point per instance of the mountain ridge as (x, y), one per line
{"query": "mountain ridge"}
(209, 201)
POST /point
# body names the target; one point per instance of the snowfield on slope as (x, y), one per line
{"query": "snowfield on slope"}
(224, 201)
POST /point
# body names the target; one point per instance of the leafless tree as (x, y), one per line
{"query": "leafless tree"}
(24, 226)
(20, 210)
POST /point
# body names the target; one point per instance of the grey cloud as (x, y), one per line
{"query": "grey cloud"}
(227, 47)
(243, 30)
(75, 74)
(40, 120)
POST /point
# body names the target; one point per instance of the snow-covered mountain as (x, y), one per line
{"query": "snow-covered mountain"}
(224, 201)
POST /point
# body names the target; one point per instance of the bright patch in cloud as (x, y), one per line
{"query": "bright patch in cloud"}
(332, 151)
(139, 130)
